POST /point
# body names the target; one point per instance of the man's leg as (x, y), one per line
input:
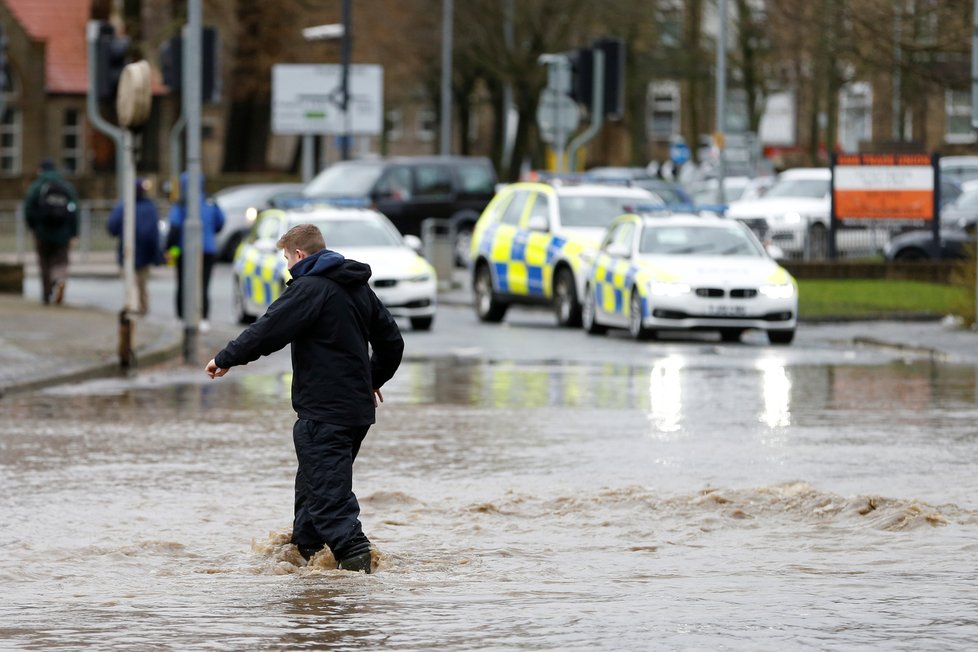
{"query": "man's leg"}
(325, 453)
(58, 257)
(142, 278)
(44, 269)
(304, 535)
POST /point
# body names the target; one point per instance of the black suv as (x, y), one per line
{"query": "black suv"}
(411, 189)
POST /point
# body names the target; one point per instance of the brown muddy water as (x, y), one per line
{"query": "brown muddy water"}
(678, 505)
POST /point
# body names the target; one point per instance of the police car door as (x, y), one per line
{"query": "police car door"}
(537, 237)
(507, 244)
(615, 277)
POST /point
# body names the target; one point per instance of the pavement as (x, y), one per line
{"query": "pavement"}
(41, 346)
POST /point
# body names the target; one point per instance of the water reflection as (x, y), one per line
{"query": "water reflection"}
(665, 395)
(776, 391)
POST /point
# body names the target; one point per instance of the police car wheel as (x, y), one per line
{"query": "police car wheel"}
(487, 307)
(588, 314)
(566, 305)
(635, 326)
(421, 323)
(240, 312)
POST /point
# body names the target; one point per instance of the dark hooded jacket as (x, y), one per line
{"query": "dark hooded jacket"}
(332, 318)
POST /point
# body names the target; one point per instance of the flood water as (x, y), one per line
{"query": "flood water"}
(679, 504)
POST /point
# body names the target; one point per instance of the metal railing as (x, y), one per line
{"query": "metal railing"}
(92, 233)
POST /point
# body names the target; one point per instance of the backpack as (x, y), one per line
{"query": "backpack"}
(55, 203)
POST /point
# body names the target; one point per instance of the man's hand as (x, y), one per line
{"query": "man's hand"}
(378, 397)
(214, 371)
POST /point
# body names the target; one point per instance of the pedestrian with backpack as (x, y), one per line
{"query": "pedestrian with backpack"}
(147, 251)
(51, 210)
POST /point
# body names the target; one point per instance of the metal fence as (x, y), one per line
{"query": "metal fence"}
(92, 237)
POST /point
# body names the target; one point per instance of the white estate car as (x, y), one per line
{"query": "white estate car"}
(685, 272)
(796, 208)
(400, 277)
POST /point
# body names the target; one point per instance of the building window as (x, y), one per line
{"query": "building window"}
(662, 105)
(957, 125)
(855, 115)
(10, 131)
(427, 124)
(71, 141)
(394, 125)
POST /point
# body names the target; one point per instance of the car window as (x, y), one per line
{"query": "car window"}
(594, 210)
(698, 240)
(541, 207)
(357, 233)
(813, 188)
(395, 183)
(967, 199)
(515, 209)
(624, 235)
(475, 178)
(345, 180)
(432, 180)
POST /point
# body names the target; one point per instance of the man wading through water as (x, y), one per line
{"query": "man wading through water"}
(329, 315)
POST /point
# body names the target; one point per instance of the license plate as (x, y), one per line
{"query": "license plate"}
(722, 310)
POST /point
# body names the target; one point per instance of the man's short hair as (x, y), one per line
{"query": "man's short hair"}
(305, 237)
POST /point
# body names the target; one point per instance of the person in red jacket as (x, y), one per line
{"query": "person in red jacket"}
(332, 319)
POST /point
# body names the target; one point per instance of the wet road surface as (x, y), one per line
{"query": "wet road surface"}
(579, 493)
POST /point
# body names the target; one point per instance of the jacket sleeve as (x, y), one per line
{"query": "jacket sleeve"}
(30, 205)
(218, 215)
(114, 227)
(287, 317)
(174, 235)
(387, 345)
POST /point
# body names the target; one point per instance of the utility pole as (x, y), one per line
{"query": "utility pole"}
(345, 62)
(720, 136)
(192, 254)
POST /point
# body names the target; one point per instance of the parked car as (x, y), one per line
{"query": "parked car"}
(706, 191)
(402, 279)
(953, 242)
(959, 169)
(687, 272)
(409, 190)
(530, 243)
(966, 205)
(673, 194)
(795, 209)
(241, 205)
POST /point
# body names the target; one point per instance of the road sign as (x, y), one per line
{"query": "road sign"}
(557, 116)
(306, 99)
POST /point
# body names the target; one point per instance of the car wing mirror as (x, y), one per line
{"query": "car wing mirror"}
(618, 250)
(538, 223)
(414, 242)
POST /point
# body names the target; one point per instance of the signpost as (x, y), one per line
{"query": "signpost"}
(558, 116)
(303, 104)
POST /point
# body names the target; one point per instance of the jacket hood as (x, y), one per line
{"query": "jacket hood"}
(334, 266)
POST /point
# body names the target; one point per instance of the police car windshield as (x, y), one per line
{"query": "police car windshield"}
(344, 180)
(594, 210)
(358, 233)
(674, 240)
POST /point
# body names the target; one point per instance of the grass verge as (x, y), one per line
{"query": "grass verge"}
(881, 298)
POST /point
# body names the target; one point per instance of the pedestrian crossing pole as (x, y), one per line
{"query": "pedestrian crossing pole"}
(192, 253)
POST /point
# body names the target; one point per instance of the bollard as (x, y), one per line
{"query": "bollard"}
(438, 240)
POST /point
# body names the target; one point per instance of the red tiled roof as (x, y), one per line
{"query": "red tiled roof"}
(60, 24)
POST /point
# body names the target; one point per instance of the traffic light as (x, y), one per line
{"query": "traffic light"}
(111, 57)
(582, 65)
(171, 61)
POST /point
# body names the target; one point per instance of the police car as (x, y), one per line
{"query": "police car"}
(529, 244)
(401, 278)
(683, 272)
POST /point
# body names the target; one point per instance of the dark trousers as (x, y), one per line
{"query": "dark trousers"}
(52, 261)
(326, 510)
(207, 266)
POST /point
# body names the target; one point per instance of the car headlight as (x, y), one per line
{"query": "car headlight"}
(251, 214)
(783, 291)
(420, 278)
(665, 289)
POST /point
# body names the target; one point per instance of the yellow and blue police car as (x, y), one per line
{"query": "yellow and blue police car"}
(403, 280)
(686, 272)
(530, 243)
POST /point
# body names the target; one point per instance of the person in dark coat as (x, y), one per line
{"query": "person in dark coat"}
(51, 211)
(147, 251)
(332, 319)
(211, 223)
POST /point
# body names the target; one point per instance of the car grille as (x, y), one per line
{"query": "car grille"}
(385, 283)
(709, 292)
(743, 293)
(736, 293)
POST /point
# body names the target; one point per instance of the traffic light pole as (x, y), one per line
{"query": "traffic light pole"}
(97, 121)
(191, 253)
(597, 110)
